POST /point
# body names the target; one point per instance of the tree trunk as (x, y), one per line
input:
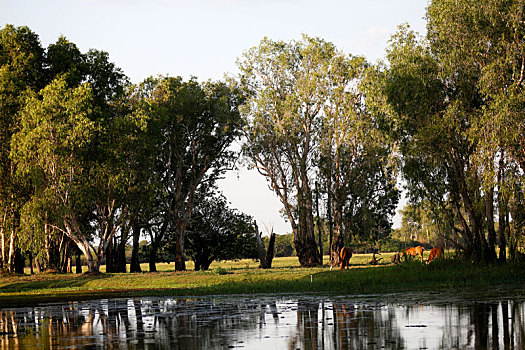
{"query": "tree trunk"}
(109, 252)
(31, 262)
(18, 262)
(516, 228)
(319, 231)
(3, 264)
(502, 211)
(260, 248)
(205, 262)
(180, 260)
(337, 244)
(47, 247)
(78, 263)
(64, 259)
(135, 262)
(476, 248)
(304, 238)
(206, 266)
(155, 243)
(120, 259)
(153, 257)
(11, 256)
(92, 265)
(338, 238)
(307, 251)
(2, 243)
(330, 221)
(489, 206)
(270, 251)
(39, 266)
(304, 235)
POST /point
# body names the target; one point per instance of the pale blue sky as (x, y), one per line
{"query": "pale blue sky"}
(204, 38)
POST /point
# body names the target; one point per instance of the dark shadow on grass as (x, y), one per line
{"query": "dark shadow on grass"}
(51, 283)
(408, 277)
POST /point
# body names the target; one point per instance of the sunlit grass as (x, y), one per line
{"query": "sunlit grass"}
(244, 277)
(358, 260)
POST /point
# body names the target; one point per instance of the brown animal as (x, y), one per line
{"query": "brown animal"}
(396, 258)
(344, 257)
(414, 251)
(436, 253)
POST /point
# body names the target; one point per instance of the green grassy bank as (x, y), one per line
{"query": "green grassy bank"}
(243, 277)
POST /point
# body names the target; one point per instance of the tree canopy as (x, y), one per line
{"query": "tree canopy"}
(453, 100)
(307, 125)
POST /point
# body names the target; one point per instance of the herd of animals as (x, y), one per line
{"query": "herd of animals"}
(435, 253)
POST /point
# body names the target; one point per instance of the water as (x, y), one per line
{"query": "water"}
(488, 319)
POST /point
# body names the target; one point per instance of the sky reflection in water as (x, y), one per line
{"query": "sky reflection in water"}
(490, 319)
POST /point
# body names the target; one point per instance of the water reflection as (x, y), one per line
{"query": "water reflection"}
(416, 321)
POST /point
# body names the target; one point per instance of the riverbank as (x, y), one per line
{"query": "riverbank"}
(243, 277)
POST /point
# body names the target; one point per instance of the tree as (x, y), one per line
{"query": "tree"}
(59, 69)
(194, 125)
(487, 39)
(217, 232)
(307, 125)
(356, 165)
(285, 84)
(78, 187)
(135, 151)
(21, 68)
(431, 114)
(55, 131)
(450, 100)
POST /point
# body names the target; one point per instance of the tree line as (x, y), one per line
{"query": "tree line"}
(454, 103)
(90, 162)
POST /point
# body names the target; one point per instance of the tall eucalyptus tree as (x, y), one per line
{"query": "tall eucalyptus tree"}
(285, 84)
(21, 69)
(194, 126)
(306, 124)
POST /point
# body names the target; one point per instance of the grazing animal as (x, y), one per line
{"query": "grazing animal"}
(436, 253)
(344, 257)
(414, 251)
(396, 258)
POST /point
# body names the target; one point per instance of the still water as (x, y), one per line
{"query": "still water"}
(488, 319)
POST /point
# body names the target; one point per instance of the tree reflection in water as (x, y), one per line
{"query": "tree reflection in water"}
(265, 321)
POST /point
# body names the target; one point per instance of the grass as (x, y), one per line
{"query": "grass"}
(244, 277)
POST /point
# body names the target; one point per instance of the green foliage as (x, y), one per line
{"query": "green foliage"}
(391, 245)
(285, 83)
(433, 98)
(217, 232)
(419, 222)
(21, 69)
(356, 166)
(308, 130)
(220, 271)
(55, 130)
(283, 245)
(61, 143)
(191, 126)
(85, 155)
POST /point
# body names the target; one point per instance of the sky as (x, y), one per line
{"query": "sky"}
(204, 38)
